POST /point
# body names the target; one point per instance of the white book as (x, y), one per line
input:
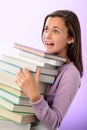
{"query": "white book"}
(39, 58)
(22, 61)
(9, 80)
(33, 68)
(42, 89)
(38, 52)
(6, 124)
(14, 99)
(9, 77)
(16, 107)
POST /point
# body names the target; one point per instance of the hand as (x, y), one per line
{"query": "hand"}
(29, 84)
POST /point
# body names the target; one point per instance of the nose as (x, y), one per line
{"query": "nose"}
(48, 35)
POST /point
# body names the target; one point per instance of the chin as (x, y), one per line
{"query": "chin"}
(49, 52)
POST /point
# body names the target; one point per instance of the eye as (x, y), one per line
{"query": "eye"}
(56, 31)
(45, 29)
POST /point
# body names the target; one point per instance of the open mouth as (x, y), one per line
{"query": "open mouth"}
(49, 44)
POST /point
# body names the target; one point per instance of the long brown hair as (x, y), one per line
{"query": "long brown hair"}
(72, 23)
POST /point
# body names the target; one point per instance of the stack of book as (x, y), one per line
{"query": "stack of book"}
(11, 125)
(14, 104)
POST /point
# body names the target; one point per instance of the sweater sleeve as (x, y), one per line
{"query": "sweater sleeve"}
(66, 90)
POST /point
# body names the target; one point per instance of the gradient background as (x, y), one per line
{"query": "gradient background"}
(21, 21)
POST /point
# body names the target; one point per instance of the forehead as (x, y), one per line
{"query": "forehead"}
(55, 21)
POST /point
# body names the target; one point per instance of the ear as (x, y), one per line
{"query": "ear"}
(71, 41)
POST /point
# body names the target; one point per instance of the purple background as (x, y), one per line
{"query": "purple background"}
(21, 21)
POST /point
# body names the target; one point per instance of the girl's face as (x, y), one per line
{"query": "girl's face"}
(55, 36)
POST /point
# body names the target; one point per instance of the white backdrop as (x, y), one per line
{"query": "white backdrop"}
(21, 21)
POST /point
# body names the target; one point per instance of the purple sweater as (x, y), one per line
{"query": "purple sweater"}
(51, 110)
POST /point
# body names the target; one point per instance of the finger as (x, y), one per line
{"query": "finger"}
(18, 83)
(37, 76)
(19, 76)
(27, 73)
(20, 73)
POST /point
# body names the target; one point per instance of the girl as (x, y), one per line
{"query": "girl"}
(61, 35)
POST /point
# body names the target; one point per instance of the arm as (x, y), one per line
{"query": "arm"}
(67, 85)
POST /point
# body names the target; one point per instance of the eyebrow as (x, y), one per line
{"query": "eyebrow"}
(56, 27)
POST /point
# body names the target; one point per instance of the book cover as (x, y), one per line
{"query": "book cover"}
(42, 89)
(47, 61)
(14, 99)
(16, 107)
(7, 77)
(15, 68)
(18, 117)
(12, 90)
(39, 58)
(23, 61)
(38, 52)
(6, 124)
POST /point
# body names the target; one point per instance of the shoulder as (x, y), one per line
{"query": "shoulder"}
(68, 73)
(68, 76)
(69, 69)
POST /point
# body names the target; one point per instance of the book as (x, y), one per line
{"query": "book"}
(7, 77)
(23, 61)
(14, 99)
(9, 80)
(6, 124)
(15, 68)
(19, 117)
(16, 107)
(50, 61)
(13, 90)
(35, 57)
(42, 89)
(38, 52)
(47, 61)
